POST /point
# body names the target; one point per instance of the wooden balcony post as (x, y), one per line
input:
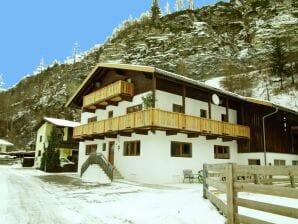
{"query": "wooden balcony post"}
(227, 110)
(153, 90)
(183, 98)
(209, 106)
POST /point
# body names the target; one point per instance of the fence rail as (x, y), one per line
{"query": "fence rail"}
(231, 179)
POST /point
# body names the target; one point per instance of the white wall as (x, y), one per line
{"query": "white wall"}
(243, 157)
(39, 146)
(155, 164)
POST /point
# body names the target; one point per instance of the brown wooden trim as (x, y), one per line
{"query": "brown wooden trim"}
(127, 134)
(211, 137)
(141, 132)
(153, 90)
(111, 135)
(171, 132)
(113, 103)
(193, 135)
(209, 107)
(88, 110)
(227, 139)
(227, 110)
(183, 98)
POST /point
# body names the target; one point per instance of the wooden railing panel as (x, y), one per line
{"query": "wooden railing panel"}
(164, 119)
(99, 127)
(114, 89)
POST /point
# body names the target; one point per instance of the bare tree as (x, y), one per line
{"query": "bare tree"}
(191, 5)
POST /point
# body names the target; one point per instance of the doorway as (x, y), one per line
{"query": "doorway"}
(111, 152)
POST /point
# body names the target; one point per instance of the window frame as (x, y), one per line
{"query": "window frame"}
(203, 113)
(134, 151)
(134, 108)
(223, 153)
(277, 162)
(254, 162)
(90, 148)
(181, 148)
(177, 108)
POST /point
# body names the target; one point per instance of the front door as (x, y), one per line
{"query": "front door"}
(111, 152)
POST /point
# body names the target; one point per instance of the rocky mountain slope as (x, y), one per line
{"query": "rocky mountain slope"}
(223, 39)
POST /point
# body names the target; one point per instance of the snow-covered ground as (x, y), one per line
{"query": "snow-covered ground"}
(30, 196)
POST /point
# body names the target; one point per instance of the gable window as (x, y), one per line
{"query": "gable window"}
(181, 149)
(110, 114)
(279, 162)
(254, 162)
(177, 108)
(221, 152)
(203, 113)
(134, 108)
(90, 149)
(132, 148)
(92, 119)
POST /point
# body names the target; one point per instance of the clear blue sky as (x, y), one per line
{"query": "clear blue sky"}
(32, 29)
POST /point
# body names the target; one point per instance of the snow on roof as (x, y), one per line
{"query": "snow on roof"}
(4, 142)
(61, 122)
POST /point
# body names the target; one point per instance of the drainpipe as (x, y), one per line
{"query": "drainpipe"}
(264, 134)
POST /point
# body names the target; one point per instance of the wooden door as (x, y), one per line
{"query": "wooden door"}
(111, 152)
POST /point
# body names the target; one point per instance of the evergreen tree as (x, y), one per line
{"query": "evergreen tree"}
(278, 61)
(191, 5)
(1, 80)
(50, 160)
(155, 11)
(179, 5)
(167, 8)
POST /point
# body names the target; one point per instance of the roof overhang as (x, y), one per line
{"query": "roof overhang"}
(174, 76)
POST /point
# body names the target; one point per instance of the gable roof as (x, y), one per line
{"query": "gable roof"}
(4, 142)
(61, 122)
(149, 69)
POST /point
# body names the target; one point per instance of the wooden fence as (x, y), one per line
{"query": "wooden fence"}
(231, 178)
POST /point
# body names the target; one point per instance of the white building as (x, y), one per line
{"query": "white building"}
(151, 124)
(68, 146)
(4, 145)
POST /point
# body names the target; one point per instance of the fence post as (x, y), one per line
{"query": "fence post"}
(205, 186)
(292, 179)
(231, 195)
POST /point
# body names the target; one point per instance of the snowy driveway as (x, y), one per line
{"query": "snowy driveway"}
(29, 196)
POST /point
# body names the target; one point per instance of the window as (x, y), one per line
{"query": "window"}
(91, 149)
(177, 108)
(254, 162)
(221, 152)
(40, 138)
(104, 146)
(295, 162)
(134, 108)
(110, 114)
(92, 119)
(39, 152)
(132, 148)
(181, 149)
(203, 113)
(279, 162)
(224, 117)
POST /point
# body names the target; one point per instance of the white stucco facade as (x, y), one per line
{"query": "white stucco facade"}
(155, 163)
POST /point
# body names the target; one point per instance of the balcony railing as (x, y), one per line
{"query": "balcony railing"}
(112, 93)
(162, 120)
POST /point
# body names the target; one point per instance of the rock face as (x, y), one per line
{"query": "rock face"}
(198, 44)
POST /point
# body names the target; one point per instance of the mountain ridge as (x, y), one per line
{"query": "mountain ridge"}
(231, 39)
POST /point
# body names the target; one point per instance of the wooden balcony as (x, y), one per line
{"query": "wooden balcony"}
(109, 95)
(156, 119)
